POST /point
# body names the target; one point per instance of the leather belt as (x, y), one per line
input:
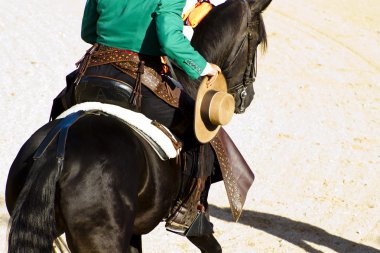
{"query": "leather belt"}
(128, 62)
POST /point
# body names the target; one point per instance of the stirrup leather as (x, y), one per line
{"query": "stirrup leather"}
(188, 217)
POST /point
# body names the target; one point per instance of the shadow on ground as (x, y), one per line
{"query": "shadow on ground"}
(295, 232)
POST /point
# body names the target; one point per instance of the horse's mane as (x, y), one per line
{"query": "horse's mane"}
(218, 33)
(213, 37)
(221, 27)
(262, 34)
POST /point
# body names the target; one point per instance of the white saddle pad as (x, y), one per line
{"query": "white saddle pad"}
(159, 141)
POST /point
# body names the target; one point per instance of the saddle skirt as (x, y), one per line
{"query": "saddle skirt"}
(158, 136)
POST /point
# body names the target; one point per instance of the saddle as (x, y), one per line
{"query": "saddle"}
(163, 142)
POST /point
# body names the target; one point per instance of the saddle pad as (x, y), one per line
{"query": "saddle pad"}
(159, 141)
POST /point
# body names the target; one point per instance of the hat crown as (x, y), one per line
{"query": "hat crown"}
(213, 107)
(219, 107)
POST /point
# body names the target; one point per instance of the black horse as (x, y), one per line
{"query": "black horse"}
(112, 187)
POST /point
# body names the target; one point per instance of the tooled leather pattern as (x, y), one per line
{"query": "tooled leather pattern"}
(230, 181)
(127, 62)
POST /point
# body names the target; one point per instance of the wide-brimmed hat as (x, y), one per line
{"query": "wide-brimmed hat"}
(213, 107)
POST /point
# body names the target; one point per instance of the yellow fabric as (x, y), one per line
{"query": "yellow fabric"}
(195, 14)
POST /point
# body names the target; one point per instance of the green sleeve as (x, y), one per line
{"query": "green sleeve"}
(172, 41)
(90, 18)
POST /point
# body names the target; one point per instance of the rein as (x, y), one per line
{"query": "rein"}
(240, 89)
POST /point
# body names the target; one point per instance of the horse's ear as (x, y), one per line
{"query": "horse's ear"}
(259, 6)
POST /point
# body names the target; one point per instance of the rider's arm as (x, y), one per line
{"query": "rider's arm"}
(90, 18)
(173, 43)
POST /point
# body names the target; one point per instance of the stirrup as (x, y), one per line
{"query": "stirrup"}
(201, 225)
(190, 222)
(182, 218)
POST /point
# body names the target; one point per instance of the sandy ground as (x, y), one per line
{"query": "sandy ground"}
(311, 135)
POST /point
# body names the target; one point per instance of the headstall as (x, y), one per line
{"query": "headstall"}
(250, 72)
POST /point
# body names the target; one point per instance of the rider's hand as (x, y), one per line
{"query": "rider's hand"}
(211, 70)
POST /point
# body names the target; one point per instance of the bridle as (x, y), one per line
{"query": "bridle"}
(240, 89)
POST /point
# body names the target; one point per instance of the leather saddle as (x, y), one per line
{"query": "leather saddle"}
(104, 90)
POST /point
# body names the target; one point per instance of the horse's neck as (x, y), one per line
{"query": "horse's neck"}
(190, 86)
(215, 36)
(216, 39)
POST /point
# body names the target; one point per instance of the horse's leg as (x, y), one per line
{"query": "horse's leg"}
(98, 211)
(96, 219)
(206, 243)
(96, 216)
(99, 186)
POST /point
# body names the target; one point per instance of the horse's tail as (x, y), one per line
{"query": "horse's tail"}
(33, 218)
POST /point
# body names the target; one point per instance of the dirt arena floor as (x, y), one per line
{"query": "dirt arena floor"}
(311, 136)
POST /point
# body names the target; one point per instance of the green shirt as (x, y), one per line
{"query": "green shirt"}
(151, 27)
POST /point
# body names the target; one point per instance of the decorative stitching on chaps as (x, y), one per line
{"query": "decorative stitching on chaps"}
(230, 182)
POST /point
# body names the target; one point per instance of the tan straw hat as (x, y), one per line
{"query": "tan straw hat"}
(213, 107)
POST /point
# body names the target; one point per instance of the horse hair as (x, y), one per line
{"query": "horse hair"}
(224, 21)
(33, 219)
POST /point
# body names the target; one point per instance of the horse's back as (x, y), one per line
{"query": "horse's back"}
(86, 138)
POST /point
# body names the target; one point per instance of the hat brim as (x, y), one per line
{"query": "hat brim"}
(205, 131)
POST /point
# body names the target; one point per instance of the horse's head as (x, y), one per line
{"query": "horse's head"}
(229, 36)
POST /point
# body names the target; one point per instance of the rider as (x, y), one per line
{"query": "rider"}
(128, 38)
(124, 67)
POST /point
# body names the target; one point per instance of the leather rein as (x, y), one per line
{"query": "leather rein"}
(240, 89)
